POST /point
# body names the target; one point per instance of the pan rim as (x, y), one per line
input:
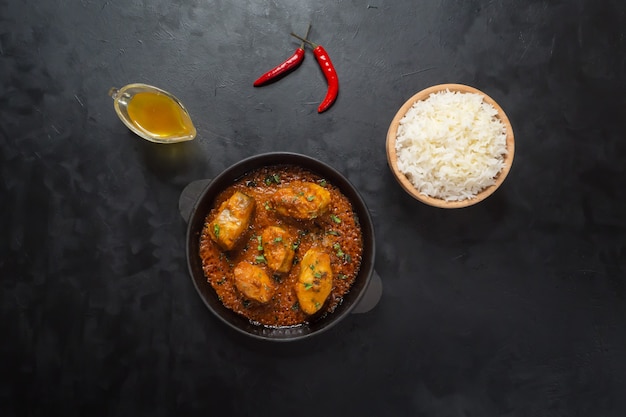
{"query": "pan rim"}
(286, 333)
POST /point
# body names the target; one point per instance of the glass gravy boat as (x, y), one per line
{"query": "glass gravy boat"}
(152, 113)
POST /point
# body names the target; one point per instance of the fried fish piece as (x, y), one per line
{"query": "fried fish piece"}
(301, 200)
(232, 220)
(315, 280)
(278, 248)
(253, 282)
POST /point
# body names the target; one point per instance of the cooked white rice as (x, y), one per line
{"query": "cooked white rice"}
(451, 145)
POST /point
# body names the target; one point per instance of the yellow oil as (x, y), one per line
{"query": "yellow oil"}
(159, 115)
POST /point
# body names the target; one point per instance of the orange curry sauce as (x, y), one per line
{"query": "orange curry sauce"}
(337, 232)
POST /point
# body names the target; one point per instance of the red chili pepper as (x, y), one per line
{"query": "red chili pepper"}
(290, 64)
(323, 59)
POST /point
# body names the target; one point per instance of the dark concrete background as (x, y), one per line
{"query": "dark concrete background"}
(514, 307)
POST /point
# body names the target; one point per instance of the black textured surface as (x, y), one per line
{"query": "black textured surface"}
(513, 307)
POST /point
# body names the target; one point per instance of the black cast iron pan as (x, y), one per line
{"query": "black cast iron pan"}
(197, 200)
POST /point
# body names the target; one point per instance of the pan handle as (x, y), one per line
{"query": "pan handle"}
(191, 194)
(372, 295)
(189, 197)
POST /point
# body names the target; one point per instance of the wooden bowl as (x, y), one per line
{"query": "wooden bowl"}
(392, 157)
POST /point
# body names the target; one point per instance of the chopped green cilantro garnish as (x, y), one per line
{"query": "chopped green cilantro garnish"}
(273, 178)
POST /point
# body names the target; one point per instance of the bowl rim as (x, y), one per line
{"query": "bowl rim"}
(392, 156)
